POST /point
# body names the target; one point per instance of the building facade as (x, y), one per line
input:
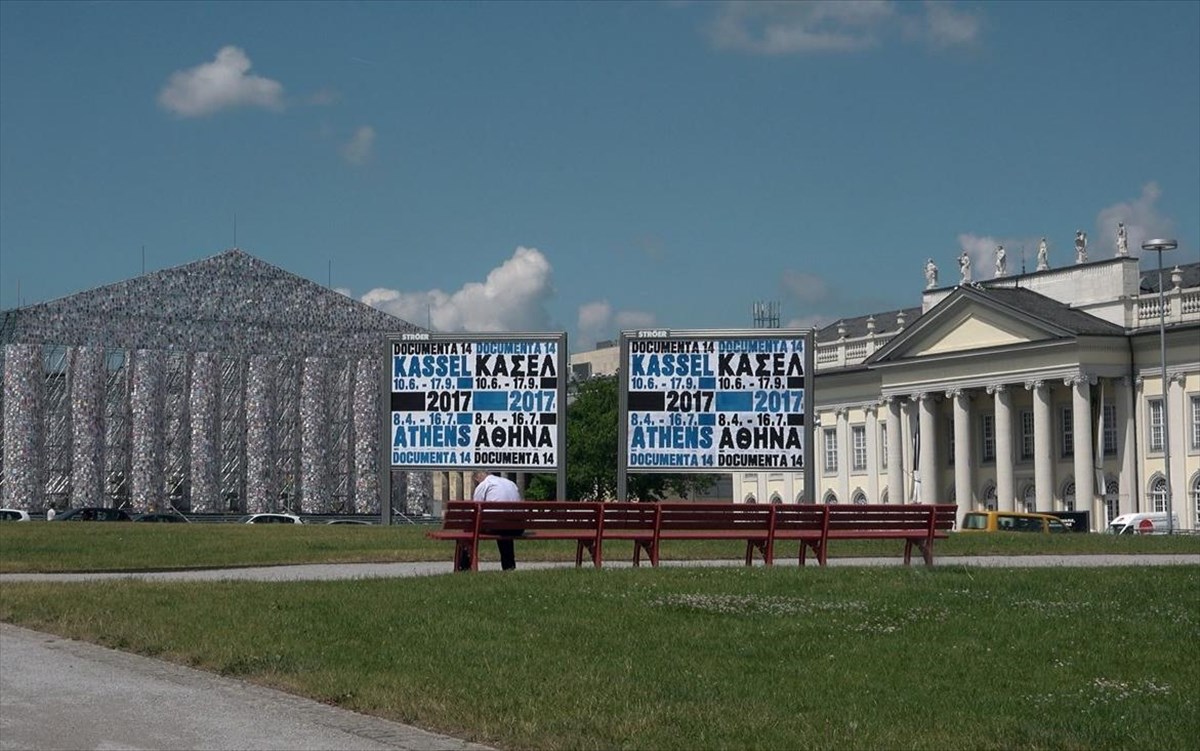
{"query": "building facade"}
(224, 385)
(1037, 391)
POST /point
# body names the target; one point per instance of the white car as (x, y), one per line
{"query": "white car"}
(13, 515)
(270, 519)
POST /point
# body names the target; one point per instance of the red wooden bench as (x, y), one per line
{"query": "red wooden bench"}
(917, 524)
(468, 522)
(648, 524)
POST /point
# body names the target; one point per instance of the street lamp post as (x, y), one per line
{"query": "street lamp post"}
(1159, 245)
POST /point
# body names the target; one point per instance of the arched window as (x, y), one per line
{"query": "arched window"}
(859, 497)
(1195, 491)
(776, 498)
(1029, 499)
(1158, 494)
(988, 500)
(750, 498)
(1112, 500)
(830, 497)
(1068, 495)
(883, 496)
(800, 496)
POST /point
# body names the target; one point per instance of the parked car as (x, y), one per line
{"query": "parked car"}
(1011, 521)
(1142, 524)
(270, 519)
(93, 514)
(161, 516)
(348, 521)
(13, 515)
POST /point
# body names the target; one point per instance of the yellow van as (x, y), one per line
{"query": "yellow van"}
(1011, 521)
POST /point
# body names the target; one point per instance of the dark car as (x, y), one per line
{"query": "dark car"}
(93, 514)
(161, 516)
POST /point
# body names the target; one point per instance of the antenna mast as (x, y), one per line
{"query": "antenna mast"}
(766, 314)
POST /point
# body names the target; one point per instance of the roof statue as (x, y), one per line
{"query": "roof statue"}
(964, 267)
(1043, 259)
(1122, 240)
(1001, 262)
(931, 272)
(1080, 246)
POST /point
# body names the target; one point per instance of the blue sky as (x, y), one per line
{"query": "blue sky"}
(592, 166)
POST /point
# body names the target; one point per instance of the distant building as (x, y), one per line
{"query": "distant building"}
(1039, 391)
(224, 385)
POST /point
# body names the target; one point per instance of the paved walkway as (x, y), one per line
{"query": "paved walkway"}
(61, 694)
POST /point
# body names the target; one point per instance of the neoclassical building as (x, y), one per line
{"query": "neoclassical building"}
(224, 385)
(1036, 391)
(1033, 391)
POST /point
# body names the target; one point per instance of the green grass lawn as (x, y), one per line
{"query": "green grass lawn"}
(784, 658)
(96, 546)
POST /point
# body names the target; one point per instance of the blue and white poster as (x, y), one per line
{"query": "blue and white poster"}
(464, 401)
(720, 402)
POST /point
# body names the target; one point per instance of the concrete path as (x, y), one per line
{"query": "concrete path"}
(61, 694)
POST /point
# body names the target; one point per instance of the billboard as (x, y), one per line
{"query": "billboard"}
(716, 401)
(462, 401)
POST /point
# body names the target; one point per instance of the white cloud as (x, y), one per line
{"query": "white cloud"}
(512, 298)
(1142, 222)
(597, 321)
(358, 148)
(781, 28)
(224, 83)
(810, 322)
(804, 288)
(831, 26)
(946, 26)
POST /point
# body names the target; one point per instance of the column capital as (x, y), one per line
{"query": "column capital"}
(841, 412)
(1125, 381)
(1034, 385)
(955, 393)
(922, 396)
(1079, 379)
(1176, 378)
(996, 388)
(870, 407)
(1139, 381)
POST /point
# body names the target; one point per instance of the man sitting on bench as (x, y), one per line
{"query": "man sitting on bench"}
(489, 487)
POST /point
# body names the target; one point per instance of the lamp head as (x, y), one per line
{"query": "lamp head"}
(1160, 245)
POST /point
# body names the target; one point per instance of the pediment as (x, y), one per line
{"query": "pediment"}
(969, 320)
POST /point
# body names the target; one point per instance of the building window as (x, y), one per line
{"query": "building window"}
(830, 497)
(858, 434)
(1069, 497)
(989, 498)
(1112, 501)
(1196, 423)
(750, 499)
(859, 497)
(1029, 499)
(950, 442)
(831, 457)
(776, 498)
(1158, 494)
(987, 441)
(1026, 436)
(1109, 415)
(1155, 407)
(883, 449)
(1067, 431)
(1196, 498)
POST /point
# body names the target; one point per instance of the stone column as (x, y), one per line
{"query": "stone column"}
(260, 421)
(1081, 423)
(895, 449)
(149, 430)
(1179, 428)
(456, 487)
(87, 421)
(24, 450)
(871, 411)
(314, 438)
(908, 426)
(206, 433)
(963, 485)
(1043, 445)
(844, 455)
(367, 469)
(1128, 491)
(929, 449)
(1006, 499)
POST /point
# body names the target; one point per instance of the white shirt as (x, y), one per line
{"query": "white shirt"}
(496, 488)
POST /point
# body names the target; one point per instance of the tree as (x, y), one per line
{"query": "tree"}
(592, 450)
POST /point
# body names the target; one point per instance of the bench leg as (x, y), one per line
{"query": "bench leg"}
(908, 552)
(462, 549)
